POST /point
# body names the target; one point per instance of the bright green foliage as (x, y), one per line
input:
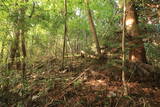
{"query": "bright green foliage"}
(44, 23)
(44, 20)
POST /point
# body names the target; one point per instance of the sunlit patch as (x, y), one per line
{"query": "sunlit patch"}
(133, 58)
(149, 22)
(147, 90)
(129, 22)
(111, 94)
(78, 12)
(133, 84)
(109, 54)
(96, 83)
(156, 43)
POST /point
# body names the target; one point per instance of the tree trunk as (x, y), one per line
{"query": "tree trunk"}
(24, 53)
(158, 12)
(65, 32)
(2, 50)
(69, 45)
(123, 51)
(92, 28)
(137, 53)
(19, 39)
(77, 47)
(15, 53)
(22, 33)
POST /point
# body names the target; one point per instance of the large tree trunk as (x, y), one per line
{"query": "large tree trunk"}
(92, 28)
(137, 52)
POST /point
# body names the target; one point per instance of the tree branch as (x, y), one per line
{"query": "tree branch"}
(33, 9)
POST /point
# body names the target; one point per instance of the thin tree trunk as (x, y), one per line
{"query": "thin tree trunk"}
(69, 45)
(158, 12)
(19, 38)
(137, 53)
(123, 50)
(77, 48)
(22, 33)
(23, 46)
(65, 32)
(86, 39)
(15, 53)
(2, 50)
(24, 53)
(92, 27)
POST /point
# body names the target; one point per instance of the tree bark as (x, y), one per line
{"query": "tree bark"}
(19, 39)
(92, 28)
(14, 52)
(22, 33)
(136, 53)
(2, 50)
(65, 32)
(123, 51)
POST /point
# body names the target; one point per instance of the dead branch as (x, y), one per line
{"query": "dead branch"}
(64, 91)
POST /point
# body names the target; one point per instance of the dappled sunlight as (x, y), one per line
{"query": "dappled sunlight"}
(96, 83)
(129, 23)
(133, 58)
(156, 42)
(109, 54)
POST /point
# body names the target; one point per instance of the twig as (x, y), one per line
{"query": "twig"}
(75, 79)
(64, 92)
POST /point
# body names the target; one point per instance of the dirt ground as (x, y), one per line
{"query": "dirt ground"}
(84, 83)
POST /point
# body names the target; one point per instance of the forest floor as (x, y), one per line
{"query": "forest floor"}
(84, 82)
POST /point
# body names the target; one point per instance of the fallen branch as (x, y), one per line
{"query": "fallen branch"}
(64, 92)
(75, 79)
